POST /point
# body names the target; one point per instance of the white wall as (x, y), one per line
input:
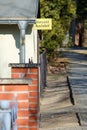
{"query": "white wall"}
(31, 44)
(10, 47)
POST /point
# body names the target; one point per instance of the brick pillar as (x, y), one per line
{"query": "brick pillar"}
(27, 95)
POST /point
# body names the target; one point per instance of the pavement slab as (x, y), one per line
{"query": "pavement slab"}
(59, 120)
(56, 95)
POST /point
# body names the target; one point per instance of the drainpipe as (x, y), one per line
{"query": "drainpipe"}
(22, 26)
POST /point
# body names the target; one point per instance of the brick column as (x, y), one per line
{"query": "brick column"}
(27, 94)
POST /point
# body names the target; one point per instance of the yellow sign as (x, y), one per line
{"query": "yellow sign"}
(43, 24)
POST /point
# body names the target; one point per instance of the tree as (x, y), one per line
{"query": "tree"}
(61, 12)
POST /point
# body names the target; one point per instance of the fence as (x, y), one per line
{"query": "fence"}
(43, 70)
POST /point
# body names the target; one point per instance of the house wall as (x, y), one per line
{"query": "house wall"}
(10, 47)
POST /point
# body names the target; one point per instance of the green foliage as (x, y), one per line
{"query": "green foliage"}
(61, 12)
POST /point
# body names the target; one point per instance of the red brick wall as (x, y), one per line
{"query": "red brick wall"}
(27, 97)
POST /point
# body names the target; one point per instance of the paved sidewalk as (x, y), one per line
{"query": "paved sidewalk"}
(57, 110)
(77, 75)
(55, 105)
